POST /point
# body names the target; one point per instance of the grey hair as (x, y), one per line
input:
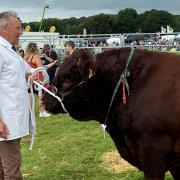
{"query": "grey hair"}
(5, 18)
(70, 43)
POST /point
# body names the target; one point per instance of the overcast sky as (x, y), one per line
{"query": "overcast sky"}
(31, 10)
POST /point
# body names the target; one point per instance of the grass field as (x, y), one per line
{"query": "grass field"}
(66, 149)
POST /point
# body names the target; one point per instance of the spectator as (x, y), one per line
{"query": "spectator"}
(21, 53)
(14, 111)
(50, 56)
(32, 57)
(16, 47)
(69, 47)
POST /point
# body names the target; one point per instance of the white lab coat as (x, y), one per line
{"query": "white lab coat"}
(14, 102)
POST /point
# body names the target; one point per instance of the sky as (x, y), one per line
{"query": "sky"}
(32, 10)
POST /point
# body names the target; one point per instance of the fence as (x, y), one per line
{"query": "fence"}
(99, 42)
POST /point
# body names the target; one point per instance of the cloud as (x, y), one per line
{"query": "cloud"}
(32, 10)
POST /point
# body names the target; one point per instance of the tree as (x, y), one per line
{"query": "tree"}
(58, 23)
(177, 23)
(99, 24)
(151, 21)
(127, 21)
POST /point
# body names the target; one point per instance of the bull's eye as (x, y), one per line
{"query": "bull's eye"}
(66, 84)
(54, 89)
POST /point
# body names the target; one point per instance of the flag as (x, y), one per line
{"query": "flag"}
(27, 28)
(52, 29)
(84, 32)
(169, 29)
(163, 30)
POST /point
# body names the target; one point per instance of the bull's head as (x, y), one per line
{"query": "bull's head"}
(77, 85)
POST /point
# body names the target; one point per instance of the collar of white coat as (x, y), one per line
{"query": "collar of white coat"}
(4, 42)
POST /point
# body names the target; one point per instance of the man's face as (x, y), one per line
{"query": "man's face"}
(68, 49)
(47, 50)
(13, 30)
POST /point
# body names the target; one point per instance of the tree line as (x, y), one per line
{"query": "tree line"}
(125, 21)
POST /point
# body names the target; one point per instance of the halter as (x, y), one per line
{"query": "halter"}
(123, 79)
(54, 89)
(53, 93)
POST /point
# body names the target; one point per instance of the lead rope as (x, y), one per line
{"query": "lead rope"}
(123, 79)
(57, 97)
(40, 87)
(32, 105)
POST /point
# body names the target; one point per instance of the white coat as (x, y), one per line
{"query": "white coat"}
(14, 102)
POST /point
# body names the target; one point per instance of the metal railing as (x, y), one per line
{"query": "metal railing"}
(86, 41)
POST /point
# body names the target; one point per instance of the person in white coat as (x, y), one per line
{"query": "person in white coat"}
(14, 105)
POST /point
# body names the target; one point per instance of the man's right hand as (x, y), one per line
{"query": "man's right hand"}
(4, 132)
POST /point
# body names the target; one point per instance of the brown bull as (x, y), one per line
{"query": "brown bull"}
(145, 130)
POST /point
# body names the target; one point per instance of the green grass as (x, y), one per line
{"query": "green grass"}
(178, 53)
(66, 149)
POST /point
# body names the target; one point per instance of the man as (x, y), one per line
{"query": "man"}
(50, 56)
(69, 47)
(14, 109)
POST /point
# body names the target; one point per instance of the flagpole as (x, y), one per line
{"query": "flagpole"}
(45, 7)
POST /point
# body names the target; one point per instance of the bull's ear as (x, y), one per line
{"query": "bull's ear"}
(86, 68)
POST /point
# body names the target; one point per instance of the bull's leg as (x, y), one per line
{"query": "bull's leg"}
(154, 166)
(152, 154)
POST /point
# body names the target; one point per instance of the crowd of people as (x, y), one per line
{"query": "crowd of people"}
(163, 41)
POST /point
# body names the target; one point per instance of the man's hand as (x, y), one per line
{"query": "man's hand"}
(35, 77)
(27, 75)
(4, 132)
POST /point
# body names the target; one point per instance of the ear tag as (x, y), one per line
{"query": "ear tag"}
(90, 73)
(79, 61)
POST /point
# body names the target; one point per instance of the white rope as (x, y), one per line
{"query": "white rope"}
(32, 105)
(46, 80)
(52, 94)
(39, 87)
(32, 116)
(36, 71)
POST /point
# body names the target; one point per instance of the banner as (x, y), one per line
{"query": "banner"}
(169, 29)
(163, 30)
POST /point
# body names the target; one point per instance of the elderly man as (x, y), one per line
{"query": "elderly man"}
(14, 109)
